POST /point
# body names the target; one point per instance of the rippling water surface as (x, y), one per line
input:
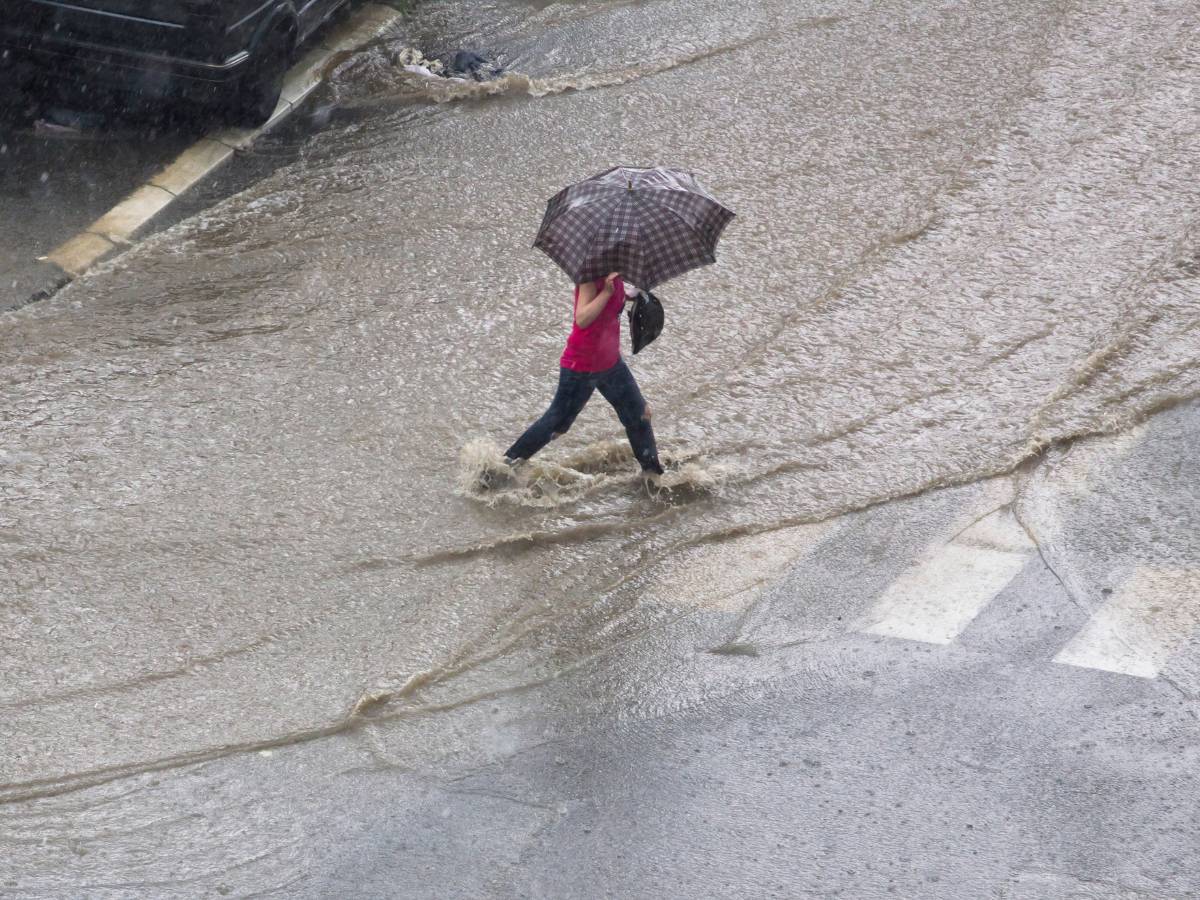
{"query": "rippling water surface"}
(237, 483)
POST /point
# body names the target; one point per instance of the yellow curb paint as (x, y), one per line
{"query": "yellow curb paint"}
(193, 164)
(128, 217)
(244, 138)
(305, 76)
(236, 138)
(283, 109)
(78, 254)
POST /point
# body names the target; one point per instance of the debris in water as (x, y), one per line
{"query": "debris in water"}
(470, 64)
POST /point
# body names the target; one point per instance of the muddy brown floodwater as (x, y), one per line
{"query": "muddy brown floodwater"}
(237, 483)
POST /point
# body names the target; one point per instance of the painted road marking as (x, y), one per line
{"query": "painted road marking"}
(936, 599)
(730, 575)
(1144, 621)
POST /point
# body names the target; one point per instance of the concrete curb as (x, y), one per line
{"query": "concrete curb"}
(117, 228)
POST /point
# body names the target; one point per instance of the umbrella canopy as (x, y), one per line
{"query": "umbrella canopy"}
(648, 224)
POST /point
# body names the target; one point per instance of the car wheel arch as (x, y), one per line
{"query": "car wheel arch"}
(281, 18)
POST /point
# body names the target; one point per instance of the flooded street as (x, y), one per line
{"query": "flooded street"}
(239, 503)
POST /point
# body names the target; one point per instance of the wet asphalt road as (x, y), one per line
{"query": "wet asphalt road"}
(54, 184)
(987, 690)
(774, 745)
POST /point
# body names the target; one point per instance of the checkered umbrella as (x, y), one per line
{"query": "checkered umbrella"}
(648, 224)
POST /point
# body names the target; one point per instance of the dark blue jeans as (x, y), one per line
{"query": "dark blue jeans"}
(618, 387)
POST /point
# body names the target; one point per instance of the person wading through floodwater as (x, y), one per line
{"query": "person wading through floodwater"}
(647, 225)
(592, 360)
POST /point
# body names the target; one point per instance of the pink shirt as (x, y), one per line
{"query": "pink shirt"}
(597, 347)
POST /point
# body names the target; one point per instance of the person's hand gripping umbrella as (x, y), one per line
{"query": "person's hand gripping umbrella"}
(650, 225)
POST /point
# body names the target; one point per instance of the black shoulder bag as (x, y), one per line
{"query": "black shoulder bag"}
(645, 320)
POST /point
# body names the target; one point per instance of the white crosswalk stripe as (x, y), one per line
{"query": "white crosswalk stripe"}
(1142, 623)
(936, 599)
(1149, 617)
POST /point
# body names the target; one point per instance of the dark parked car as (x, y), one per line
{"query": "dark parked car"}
(230, 52)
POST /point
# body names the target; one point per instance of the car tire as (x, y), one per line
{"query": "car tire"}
(257, 92)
